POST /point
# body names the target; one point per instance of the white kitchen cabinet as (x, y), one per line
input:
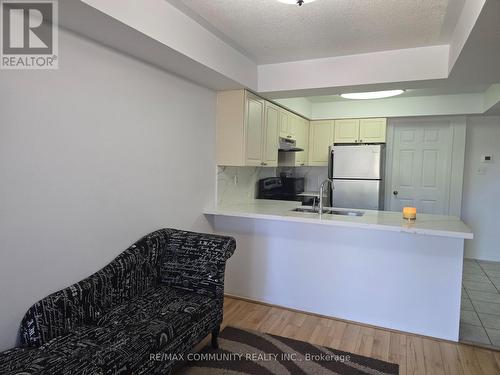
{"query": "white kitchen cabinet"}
(271, 136)
(346, 131)
(287, 129)
(360, 130)
(321, 137)
(247, 130)
(301, 127)
(254, 130)
(372, 130)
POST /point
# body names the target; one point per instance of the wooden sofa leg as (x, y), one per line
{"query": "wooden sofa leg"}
(215, 337)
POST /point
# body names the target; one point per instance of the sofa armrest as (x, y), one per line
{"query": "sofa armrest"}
(196, 262)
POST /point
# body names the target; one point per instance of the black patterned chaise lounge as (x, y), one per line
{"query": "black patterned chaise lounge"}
(138, 315)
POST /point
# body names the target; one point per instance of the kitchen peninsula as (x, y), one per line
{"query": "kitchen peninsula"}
(375, 269)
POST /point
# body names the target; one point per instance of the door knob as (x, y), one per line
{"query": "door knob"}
(395, 192)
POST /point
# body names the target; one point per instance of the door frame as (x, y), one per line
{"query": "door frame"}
(458, 129)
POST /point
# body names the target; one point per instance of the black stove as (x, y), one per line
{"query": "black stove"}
(281, 188)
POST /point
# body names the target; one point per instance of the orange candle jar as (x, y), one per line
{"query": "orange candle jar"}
(409, 213)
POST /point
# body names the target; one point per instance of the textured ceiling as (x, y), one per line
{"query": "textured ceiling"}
(269, 32)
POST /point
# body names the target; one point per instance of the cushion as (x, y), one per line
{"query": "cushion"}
(196, 262)
(123, 338)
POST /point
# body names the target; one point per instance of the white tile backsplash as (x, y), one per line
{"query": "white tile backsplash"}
(239, 184)
(314, 176)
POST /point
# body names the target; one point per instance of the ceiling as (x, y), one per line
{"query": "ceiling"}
(324, 28)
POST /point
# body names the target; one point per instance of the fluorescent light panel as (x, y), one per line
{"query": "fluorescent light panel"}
(372, 94)
(294, 2)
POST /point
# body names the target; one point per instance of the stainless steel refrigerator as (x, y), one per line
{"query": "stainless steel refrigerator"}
(358, 176)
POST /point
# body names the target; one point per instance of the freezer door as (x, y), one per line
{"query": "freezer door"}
(360, 194)
(358, 162)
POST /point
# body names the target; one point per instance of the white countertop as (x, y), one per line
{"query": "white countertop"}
(434, 225)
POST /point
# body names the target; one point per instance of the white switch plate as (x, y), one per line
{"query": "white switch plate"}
(487, 158)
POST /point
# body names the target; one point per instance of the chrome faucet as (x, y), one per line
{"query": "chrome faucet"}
(322, 193)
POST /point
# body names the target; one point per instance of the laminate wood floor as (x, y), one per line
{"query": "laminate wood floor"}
(414, 354)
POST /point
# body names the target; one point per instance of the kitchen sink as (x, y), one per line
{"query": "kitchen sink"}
(329, 211)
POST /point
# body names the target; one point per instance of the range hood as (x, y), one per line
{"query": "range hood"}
(289, 145)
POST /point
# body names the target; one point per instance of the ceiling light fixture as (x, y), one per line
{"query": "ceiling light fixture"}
(296, 2)
(372, 94)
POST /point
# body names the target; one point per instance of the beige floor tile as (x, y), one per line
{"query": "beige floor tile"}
(482, 287)
(487, 307)
(475, 277)
(490, 320)
(476, 295)
(469, 317)
(475, 334)
(494, 335)
(466, 305)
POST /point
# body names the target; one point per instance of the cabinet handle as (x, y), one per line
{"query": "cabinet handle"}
(289, 136)
(395, 192)
(356, 141)
(360, 141)
(263, 163)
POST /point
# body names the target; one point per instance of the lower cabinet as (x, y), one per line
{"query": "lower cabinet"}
(321, 137)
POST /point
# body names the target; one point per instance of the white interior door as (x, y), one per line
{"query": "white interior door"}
(421, 167)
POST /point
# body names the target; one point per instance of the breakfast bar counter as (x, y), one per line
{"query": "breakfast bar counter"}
(434, 225)
(375, 269)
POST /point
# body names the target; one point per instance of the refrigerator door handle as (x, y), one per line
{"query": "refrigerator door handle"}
(331, 155)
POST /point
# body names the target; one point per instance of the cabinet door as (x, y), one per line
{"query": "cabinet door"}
(302, 138)
(285, 124)
(346, 131)
(293, 125)
(271, 133)
(254, 130)
(321, 136)
(372, 130)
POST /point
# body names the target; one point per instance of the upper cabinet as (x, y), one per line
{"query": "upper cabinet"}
(247, 130)
(372, 130)
(254, 129)
(360, 131)
(321, 137)
(346, 131)
(271, 136)
(301, 133)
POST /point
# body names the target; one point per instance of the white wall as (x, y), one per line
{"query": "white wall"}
(481, 193)
(437, 105)
(92, 157)
(301, 106)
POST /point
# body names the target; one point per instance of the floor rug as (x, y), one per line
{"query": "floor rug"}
(249, 352)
